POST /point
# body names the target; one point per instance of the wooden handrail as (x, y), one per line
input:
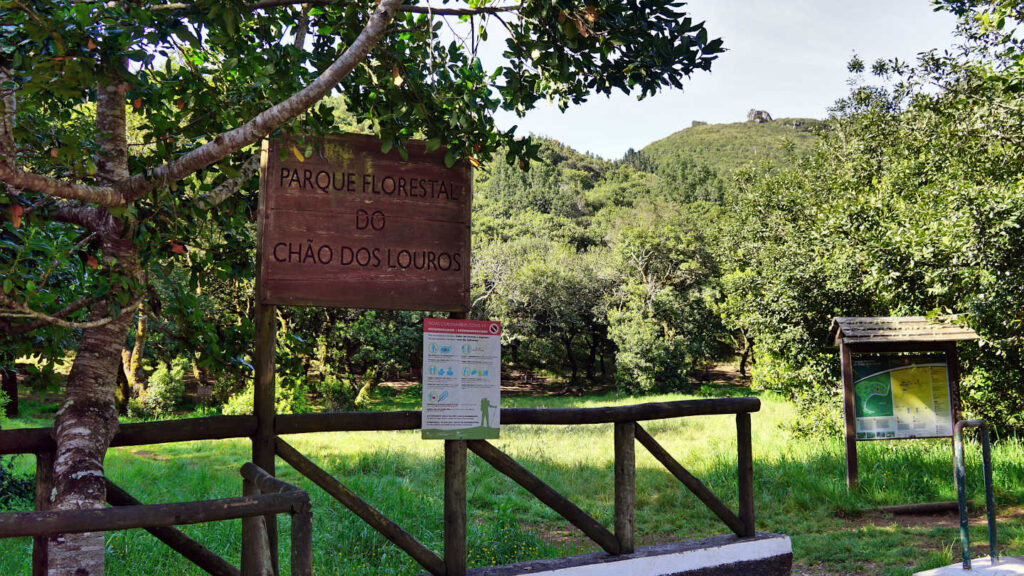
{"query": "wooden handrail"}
(36, 440)
(410, 419)
(18, 524)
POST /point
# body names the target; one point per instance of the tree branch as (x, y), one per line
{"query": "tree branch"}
(228, 187)
(270, 119)
(18, 178)
(75, 306)
(91, 218)
(9, 103)
(21, 311)
(302, 26)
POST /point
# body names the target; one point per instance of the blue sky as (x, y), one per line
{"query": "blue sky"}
(784, 56)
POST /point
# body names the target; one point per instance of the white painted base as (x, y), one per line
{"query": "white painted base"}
(1008, 566)
(688, 560)
(711, 556)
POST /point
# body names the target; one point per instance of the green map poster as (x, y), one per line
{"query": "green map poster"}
(901, 396)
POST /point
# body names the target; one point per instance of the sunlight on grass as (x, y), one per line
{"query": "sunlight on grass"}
(800, 490)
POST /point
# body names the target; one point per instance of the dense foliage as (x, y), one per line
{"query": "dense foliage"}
(720, 240)
(912, 204)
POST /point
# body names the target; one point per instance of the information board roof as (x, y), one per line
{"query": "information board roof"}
(897, 329)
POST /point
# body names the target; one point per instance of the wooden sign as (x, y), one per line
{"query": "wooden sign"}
(342, 224)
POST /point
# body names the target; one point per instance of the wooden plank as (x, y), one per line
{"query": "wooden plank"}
(745, 474)
(44, 487)
(949, 507)
(690, 481)
(885, 347)
(860, 319)
(347, 422)
(625, 485)
(193, 551)
(19, 524)
(455, 507)
(849, 415)
(546, 494)
(344, 225)
(633, 413)
(185, 430)
(911, 335)
(26, 441)
(367, 513)
(36, 440)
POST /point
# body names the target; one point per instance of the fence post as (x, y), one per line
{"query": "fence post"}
(44, 486)
(256, 560)
(745, 469)
(455, 507)
(625, 485)
(263, 405)
(302, 542)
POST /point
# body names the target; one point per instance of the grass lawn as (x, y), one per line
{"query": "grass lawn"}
(800, 490)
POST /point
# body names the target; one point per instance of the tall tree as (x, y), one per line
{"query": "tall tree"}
(199, 83)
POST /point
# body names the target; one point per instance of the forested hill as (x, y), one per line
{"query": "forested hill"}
(726, 147)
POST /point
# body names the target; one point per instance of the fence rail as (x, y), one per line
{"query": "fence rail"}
(128, 513)
(265, 496)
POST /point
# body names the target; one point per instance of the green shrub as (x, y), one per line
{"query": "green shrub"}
(16, 492)
(290, 399)
(163, 391)
(337, 393)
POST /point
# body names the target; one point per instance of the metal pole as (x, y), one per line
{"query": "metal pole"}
(990, 498)
(960, 473)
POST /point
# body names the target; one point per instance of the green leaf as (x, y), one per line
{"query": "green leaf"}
(432, 144)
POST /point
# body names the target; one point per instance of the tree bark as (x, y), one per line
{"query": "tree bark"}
(131, 360)
(87, 421)
(748, 354)
(567, 341)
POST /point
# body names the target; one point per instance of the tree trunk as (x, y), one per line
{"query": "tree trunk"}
(10, 390)
(567, 341)
(748, 354)
(591, 363)
(87, 421)
(83, 429)
(132, 359)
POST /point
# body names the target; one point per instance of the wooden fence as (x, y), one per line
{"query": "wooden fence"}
(264, 495)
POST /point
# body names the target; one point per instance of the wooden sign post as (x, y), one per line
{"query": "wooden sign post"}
(343, 224)
(901, 379)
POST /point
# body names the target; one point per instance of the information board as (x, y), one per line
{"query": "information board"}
(342, 224)
(901, 396)
(461, 379)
